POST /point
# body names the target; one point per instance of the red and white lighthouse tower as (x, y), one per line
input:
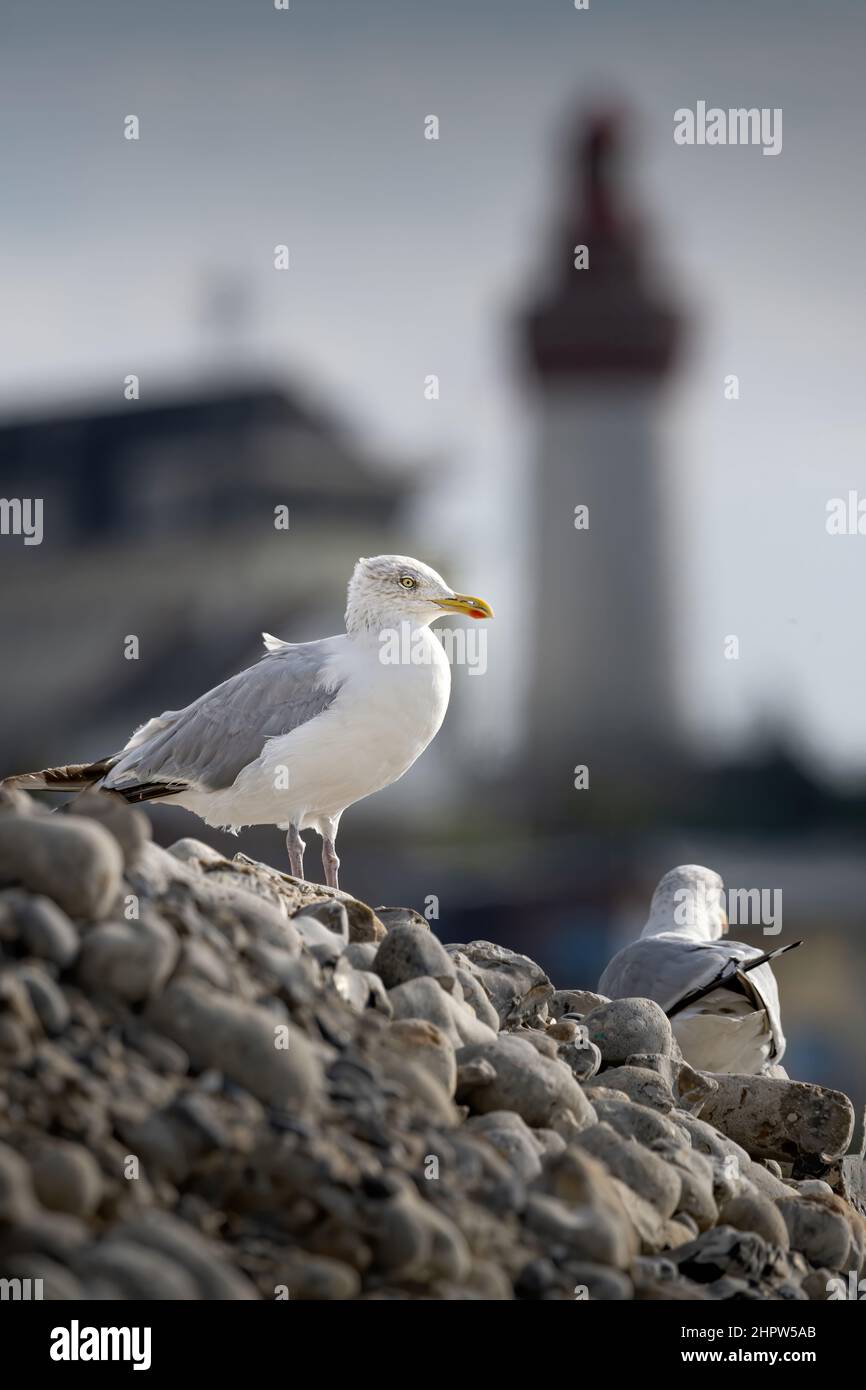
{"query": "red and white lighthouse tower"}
(601, 343)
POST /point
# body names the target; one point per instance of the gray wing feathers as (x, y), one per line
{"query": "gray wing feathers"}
(659, 970)
(666, 970)
(213, 739)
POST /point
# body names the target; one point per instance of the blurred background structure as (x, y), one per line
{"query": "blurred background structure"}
(558, 387)
(601, 343)
(162, 527)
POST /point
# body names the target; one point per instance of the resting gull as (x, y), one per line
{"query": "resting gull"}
(737, 1027)
(308, 730)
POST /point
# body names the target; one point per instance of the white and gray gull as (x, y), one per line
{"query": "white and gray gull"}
(737, 1027)
(310, 729)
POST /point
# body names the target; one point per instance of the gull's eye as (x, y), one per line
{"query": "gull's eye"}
(408, 582)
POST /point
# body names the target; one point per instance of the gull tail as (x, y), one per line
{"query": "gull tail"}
(75, 777)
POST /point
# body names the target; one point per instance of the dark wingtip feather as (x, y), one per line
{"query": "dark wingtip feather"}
(72, 778)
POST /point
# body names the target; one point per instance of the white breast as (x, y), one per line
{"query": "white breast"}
(382, 719)
(724, 1032)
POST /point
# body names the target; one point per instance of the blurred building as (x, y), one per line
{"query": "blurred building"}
(601, 342)
(161, 523)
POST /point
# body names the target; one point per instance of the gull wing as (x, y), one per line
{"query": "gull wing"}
(209, 742)
(665, 970)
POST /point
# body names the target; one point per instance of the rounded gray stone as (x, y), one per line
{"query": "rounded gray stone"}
(752, 1211)
(696, 1172)
(241, 1040)
(515, 985)
(128, 824)
(391, 917)
(658, 1182)
(17, 1201)
(586, 1232)
(627, 1026)
(315, 1277)
(361, 954)
(821, 1234)
(409, 952)
(575, 1001)
(129, 959)
(46, 996)
(512, 1138)
(640, 1122)
(425, 998)
(781, 1119)
(140, 1273)
(73, 861)
(474, 996)
(44, 929)
(583, 1058)
(186, 1248)
(191, 851)
(765, 1181)
(67, 1178)
(323, 944)
(14, 802)
(534, 1086)
(430, 1047)
(332, 913)
(639, 1084)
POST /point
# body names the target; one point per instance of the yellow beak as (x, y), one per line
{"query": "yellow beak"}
(466, 603)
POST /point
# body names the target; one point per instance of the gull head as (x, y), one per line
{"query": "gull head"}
(689, 900)
(389, 589)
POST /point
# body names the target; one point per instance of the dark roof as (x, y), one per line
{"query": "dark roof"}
(93, 464)
(230, 406)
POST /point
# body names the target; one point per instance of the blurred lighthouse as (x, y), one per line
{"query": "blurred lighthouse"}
(600, 342)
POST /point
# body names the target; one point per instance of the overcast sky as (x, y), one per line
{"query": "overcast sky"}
(410, 257)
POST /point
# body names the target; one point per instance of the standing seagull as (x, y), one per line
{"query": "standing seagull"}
(308, 730)
(736, 1027)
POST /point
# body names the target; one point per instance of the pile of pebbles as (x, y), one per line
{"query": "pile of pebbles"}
(220, 1082)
